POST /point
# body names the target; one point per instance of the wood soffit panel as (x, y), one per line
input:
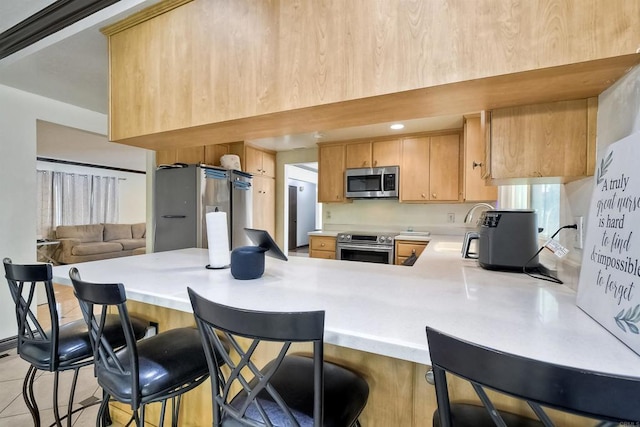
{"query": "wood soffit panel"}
(574, 81)
(144, 15)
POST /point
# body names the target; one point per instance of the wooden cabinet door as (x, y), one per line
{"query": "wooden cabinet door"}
(331, 164)
(259, 162)
(386, 153)
(358, 155)
(414, 170)
(264, 204)
(212, 153)
(322, 247)
(189, 155)
(544, 140)
(165, 157)
(475, 187)
(269, 164)
(405, 248)
(444, 168)
(253, 160)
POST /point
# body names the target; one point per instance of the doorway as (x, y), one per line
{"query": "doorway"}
(301, 210)
(293, 217)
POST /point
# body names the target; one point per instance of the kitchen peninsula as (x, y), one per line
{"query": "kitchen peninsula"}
(376, 315)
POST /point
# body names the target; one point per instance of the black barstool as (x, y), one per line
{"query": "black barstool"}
(577, 391)
(291, 389)
(155, 369)
(60, 348)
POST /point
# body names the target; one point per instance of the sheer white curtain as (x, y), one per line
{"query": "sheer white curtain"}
(44, 228)
(104, 199)
(74, 199)
(71, 199)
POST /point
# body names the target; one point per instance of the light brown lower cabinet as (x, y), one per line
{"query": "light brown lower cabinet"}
(404, 249)
(398, 392)
(322, 247)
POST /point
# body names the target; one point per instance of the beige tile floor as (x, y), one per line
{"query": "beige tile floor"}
(13, 410)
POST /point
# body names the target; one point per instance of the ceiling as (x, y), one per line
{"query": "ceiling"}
(71, 66)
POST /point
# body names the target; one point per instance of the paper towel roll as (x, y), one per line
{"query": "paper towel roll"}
(218, 237)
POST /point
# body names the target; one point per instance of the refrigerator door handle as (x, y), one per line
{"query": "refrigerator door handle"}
(174, 216)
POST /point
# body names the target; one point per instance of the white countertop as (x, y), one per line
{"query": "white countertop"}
(384, 309)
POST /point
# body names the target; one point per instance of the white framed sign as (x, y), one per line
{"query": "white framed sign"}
(609, 285)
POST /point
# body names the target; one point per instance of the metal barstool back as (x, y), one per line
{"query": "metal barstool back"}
(58, 347)
(290, 390)
(587, 393)
(155, 369)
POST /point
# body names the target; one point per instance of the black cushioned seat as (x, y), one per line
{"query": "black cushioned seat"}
(160, 370)
(577, 391)
(288, 390)
(59, 348)
(155, 369)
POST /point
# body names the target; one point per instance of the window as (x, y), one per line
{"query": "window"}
(74, 199)
(543, 198)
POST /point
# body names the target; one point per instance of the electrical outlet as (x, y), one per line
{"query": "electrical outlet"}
(328, 214)
(451, 217)
(578, 242)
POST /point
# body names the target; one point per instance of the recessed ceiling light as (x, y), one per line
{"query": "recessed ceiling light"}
(397, 126)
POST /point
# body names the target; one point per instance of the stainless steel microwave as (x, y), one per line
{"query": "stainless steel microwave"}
(372, 183)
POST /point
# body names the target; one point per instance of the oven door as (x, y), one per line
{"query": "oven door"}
(365, 253)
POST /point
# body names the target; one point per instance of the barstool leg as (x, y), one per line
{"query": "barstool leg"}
(56, 410)
(175, 409)
(100, 419)
(29, 397)
(71, 395)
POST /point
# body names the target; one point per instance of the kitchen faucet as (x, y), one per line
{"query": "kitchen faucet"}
(469, 214)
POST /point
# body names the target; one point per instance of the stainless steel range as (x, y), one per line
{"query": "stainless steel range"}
(366, 247)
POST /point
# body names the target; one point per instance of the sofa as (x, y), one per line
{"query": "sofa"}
(91, 242)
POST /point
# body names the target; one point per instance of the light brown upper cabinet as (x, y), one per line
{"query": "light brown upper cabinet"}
(374, 154)
(189, 155)
(475, 162)
(213, 153)
(259, 162)
(552, 140)
(430, 169)
(331, 165)
(264, 204)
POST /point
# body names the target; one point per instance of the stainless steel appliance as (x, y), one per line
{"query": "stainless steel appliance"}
(372, 183)
(184, 195)
(507, 240)
(366, 247)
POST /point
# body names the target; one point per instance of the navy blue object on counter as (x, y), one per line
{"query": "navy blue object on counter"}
(247, 262)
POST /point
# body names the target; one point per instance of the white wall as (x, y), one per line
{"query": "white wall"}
(132, 188)
(618, 117)
(18, 114)
(391, 215)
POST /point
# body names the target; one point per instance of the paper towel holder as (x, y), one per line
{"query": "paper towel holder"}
(208, 267)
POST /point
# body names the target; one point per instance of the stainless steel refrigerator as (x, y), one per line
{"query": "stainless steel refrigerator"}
(184, 195)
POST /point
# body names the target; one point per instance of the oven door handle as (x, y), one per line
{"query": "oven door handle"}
(366, 247)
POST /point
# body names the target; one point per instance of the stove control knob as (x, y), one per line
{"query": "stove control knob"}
(348, 236)
(382, 239)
